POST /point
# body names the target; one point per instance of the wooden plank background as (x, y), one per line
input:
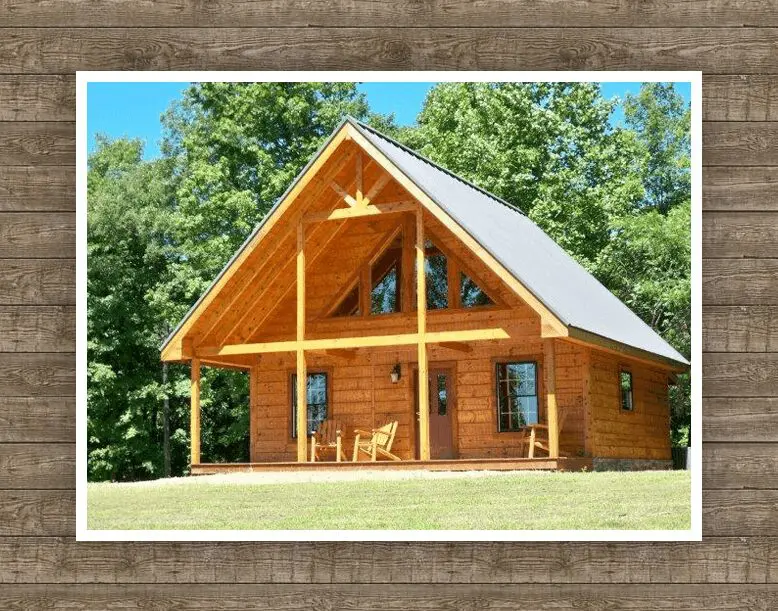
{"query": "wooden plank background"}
(42, 44)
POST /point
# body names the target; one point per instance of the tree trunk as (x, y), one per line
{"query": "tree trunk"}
(166, 423)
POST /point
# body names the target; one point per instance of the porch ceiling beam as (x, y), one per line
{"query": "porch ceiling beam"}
(347, 354)
(340, 214)
(458, 346)
(224, 364)
(369, 341)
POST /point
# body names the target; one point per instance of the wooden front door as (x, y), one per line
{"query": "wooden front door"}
(441, 394)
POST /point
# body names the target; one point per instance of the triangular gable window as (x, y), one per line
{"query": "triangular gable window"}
(436, 268)
(349, 305)
(471, 295)
(385, 274)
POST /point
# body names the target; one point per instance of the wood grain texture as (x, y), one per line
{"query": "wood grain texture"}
(42, 44)
(740, 329)
(757, 465)
(740, 234)
(740, 98)
(37, 329)
(37, 513)
(740, 144)
(43, 512)
(714, 560)
(736, 189)
(750, 419)
(726, 97)
(712, 50)
(742, 512)
(391, 598)
(739, 282)
(37, 234)
(39, 143)
(739, 465)
(401, 14)
(37, 188)
(37, 98)
(37, 419)
(37, 281)
(30, 374)
(739, 374)
(34, 466)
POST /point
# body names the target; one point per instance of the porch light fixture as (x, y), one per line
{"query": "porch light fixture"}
(395, 375)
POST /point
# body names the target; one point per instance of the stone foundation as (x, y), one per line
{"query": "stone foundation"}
(631, 464)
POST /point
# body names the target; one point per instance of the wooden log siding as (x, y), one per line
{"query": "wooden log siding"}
(735, 565)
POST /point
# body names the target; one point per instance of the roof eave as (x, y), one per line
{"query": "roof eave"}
(588, 337)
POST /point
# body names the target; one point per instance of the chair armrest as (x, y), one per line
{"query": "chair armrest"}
(363, 432)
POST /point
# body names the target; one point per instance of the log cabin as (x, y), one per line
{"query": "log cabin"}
(378, 269)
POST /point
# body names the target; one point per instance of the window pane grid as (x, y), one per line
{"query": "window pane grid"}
(316, 397)
(517, 400)
(625, 379)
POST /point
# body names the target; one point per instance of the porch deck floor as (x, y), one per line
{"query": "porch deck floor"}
(467, 464)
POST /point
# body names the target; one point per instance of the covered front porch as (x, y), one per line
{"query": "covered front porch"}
(450, 423)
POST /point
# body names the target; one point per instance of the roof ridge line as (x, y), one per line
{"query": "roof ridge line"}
(437, 166)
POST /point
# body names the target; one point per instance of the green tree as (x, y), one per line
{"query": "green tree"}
(661, 119)
(128, 204)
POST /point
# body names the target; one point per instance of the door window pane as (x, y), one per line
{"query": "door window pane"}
(442, 394)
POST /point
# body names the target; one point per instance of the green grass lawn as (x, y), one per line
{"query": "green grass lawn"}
(641, 500)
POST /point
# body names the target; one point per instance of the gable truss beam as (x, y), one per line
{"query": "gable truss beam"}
(361, 200)
(340, 214)
(345, 343)
(343, 193)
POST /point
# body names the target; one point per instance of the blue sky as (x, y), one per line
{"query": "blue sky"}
(134, 109)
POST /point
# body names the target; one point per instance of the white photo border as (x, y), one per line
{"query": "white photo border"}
(83, 78)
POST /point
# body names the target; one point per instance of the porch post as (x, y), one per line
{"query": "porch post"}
(302, 373)
(421, 315)
(253, 382)
(549, 354)
(194, 419)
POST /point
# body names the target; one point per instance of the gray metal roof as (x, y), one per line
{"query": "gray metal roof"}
(567, 289)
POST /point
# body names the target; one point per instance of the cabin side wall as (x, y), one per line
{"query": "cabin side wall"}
(643, 433)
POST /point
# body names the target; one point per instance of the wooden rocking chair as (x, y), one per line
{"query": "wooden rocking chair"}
(538, 435)
(376, 442)
(328, 437)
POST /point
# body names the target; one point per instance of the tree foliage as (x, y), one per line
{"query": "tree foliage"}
(616, 198)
